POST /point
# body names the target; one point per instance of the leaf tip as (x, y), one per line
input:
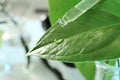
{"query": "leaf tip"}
(28, 54)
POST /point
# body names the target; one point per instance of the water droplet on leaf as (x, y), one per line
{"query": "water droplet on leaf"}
(58, 41)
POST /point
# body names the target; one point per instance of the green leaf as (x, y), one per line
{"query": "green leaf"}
(66, 44)
(93, 36)
(88, 69)
(88, 41)
(53, 17)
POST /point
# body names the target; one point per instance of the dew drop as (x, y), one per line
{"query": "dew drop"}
(58, 41)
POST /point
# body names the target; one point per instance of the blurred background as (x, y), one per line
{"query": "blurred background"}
(25, 8)
(22, 23)
(20, 28)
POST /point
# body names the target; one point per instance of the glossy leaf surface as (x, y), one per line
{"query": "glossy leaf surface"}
(93, 36)
(90, 40)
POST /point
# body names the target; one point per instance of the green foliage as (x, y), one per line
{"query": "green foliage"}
(88, 70)
(93, 36)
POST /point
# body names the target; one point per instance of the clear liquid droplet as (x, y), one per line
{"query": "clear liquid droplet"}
(58, 41)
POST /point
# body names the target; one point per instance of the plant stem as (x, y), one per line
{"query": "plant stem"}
(21, 38)
(26, 50)
(55, 71)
